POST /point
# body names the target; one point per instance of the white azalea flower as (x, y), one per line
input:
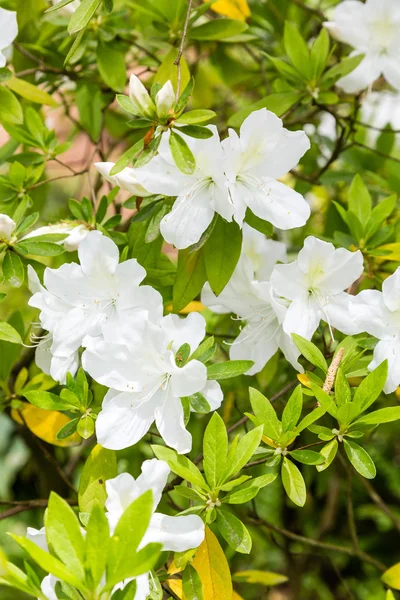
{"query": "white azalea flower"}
(263, 153)
(380, 109)
(254, 302)
(378, 313)
(75, 234)
(199, 195)
(97, 297)
(125, 179)
(371, 28)
(315, 284)
(7, 227)
(146, 384)
(8, 31)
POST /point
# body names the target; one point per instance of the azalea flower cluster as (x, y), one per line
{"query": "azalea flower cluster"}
(276, 300)
(99, 305)
(231, 176)
(177, 534)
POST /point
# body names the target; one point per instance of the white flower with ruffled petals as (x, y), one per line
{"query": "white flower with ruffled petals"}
(371, 28)
(315, 284)
(146, 384)
(199, 195)
(263, 153)
(378, 313)
(100, 296)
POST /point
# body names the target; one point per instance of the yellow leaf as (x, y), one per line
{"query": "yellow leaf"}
(303, 378)
(235, 596)
(194, 306)
(44, 424)
(176, 587)
(213, 569)
(393, 251)
(30, 92)
(268, 441)
(390, 595)
(392, 577)
(262, 577)
(234, 9)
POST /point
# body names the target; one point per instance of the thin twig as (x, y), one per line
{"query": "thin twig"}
(177, 61)
(350, 513)
(25, 505)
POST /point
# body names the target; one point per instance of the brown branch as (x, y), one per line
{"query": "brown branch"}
(18, 507)
(177, 61)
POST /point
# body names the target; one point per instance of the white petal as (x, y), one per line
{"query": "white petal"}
(190, 216)
(98, 254)
(7, 225)
(189, 330)
(342, 269)
(256, 343)
(276, 203)
(367, 71)
(349, 23)
(302, 317)
(263, 253)
(38, 537)
(121, 425)
(189, 379)
(125, 179)
(391, 70)
(8, 28)
(289, 281)
(338, 313)
(388, 350)
(154, 476)
(370, 313)
(162, 176)
(391, 291)
(171, 425)
(212, 392)
(176, 533)
(48, 587)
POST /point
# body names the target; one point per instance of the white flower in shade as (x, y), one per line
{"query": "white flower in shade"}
(75, 232)
(380, 109)
(315, 284)
(7, 227)
(146, 383)
(125, 179)
(264, 152)
(199, 195)
(378, 313)
(264, 253)
(8, 31)
(254, 302)
(371, 28)
(97, 297)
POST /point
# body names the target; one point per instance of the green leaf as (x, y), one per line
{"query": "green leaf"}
(319, 53)
(180, 465)
(325, 400)
(307, 457)
(234, 532)
(342, 388)
(258, 224)
(244, 451)
(292, 411)
(343, 68)
(265, 578)
(249, 489)
(218, 29)
(13, 269)
(10, 109)
(82, 15)
(297, 49)
(127, 157)
(191, 584)
(195, 116)
(313, 416)
(230, 368)
(205, 351)
(89, 103)
(196, 131)
(360, 200)
(111, 64)
(97, 543)
(371, 387)
(379, 214)
(48, 563)
(124, 561)
(198, 403)
(221, 253)
(360, 459)
(48, 401)
(59, 5)
(100, 466)
(310, 352)
(85, 426)
(181, 153)
(190, 278)
(30, 92)
(265, 414)
(67, 429)
(293, 482)
(383, 415)
(9, 334)
(64, 535)
(40, 248)
(328, 452)
(215, 450)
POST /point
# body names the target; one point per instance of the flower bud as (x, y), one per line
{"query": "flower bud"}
(165, 100)
(7, 226)
(140, 98)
